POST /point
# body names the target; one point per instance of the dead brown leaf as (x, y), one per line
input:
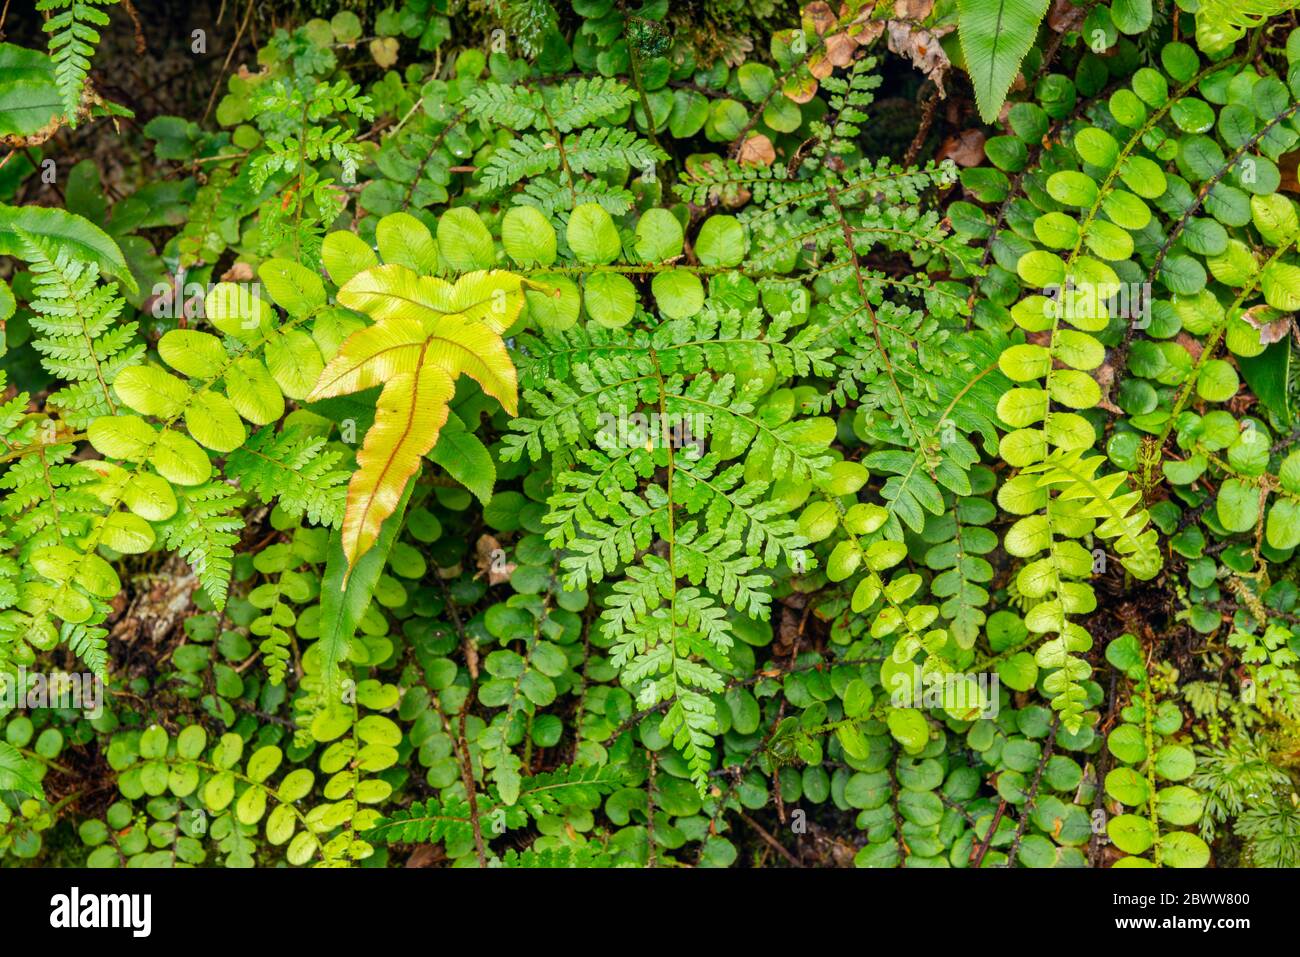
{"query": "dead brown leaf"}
(426, 855)
(1065, 16)
(787, 633)
(922, 47)
(1287, 164)
(491, 560)
(840, 48)
(820, 15)
(865, 33)
(965, 148)
(239, 272)
(1240, 404)
(736, 50)
(470, 647)
(862, 29)
(1272, 327)
(913, 9)
(1191, 344)
(1105, 378)
(757, 151)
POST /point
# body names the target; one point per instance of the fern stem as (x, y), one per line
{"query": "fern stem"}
(1119, 361)
(48, 762)
(1212, 341)
(833, 194)
(459, 741)
(1149, 738)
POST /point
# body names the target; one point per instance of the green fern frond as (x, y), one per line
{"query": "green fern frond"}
(72, 44)
(563, 107)
(557, 199)
(631, 486)
(1107, 498)
(424, 822)
(204, 532)
(1273, 830)
(590, 151)
(80, 338)
(550, 791)
(296, 470)
(583, 856)
(90, 644)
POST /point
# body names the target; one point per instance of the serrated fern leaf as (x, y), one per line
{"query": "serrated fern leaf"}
(73, 36)
(204, 532)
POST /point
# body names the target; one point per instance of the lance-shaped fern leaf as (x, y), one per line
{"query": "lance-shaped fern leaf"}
(427, 332)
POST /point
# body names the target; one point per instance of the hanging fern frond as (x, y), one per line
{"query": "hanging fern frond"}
(73, 36)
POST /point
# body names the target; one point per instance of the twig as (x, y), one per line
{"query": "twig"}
(239, 35)
(770, 840)
(927, 120)
(140, 46)
(977, 858)
(459, 741)
(650, 812)
(1033, 794)
(433, 148)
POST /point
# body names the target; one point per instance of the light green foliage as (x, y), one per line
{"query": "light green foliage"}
(950, 511)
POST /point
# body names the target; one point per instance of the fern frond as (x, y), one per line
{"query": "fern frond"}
(203, 532)
(80, 339)
(592, 150)
(585, 101)
(740, 510)
(1273, 830)
(585, 855)
(72, 43)
(513, 106)
(48, 499)
(423, 822)
(1074, 475)
(548, 792)
(554, 199)
(296, 470)
(90, 644)
(712, 180)
(563, 106)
